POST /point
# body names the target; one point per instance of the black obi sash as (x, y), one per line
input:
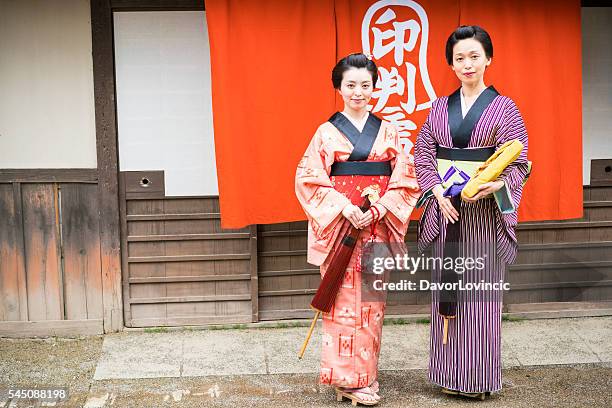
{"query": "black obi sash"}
(362, 142)
(478, 154)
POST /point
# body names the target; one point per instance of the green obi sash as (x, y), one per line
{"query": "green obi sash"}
(457, 166)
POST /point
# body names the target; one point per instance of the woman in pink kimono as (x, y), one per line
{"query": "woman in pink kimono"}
(350, 152)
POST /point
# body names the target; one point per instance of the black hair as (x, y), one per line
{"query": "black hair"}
(357, 60)
(470, 31)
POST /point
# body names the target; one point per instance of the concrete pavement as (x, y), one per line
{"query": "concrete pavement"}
(547, 363)
(132, 355)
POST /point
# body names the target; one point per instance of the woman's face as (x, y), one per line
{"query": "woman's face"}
(469, 61)
(356, 88)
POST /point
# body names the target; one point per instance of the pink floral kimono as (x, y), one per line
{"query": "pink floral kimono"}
(352, 330)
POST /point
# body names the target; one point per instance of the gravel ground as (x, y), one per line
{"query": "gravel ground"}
(71, 363)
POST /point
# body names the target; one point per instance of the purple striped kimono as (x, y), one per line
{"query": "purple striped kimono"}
(471, 359)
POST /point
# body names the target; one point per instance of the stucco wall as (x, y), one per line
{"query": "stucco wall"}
(46, 85)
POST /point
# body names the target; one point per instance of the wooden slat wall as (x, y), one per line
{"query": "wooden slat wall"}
(180, 267)
(49, 256)
(564, 261)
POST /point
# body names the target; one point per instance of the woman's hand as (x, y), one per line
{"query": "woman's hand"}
(353, 214)
(367, 218)
(484, 190)
(446, 206)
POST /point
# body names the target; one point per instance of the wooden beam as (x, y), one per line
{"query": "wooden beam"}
(188, 237)
(292, 233)
(554, 310)
(135, 196)
(566, 245)
(597, 203)
(559, 225)
(49, 176)
(594, 3)
(46, 328)
(205, 278)
(203, 321)
(288, 292)
(173, 217)
(563, 265)
(294, 252)
(188, 258)
(289, 272)
(556, 285)
(157, 5)
(286, 314)
(106, 148)
(182, 299)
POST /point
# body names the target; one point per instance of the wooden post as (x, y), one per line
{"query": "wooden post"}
(106, 147)
(254, 275)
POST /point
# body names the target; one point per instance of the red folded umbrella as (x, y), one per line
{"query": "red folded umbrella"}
(324, 298)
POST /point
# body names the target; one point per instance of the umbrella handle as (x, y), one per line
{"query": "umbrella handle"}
(312, 325)
(445, 338)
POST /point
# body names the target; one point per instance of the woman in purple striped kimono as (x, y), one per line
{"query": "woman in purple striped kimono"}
(462, 131)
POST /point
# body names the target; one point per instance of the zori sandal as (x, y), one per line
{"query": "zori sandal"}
(476, 395)
(449, 391)
(356, 396)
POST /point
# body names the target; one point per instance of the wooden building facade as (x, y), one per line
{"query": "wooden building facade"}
(93, 250)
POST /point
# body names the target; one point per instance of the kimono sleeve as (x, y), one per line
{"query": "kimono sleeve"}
(403, 190)
(322, 204)
(425, 159)
(511, 128)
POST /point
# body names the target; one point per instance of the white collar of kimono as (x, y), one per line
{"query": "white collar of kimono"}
(359, 124)
(464, 106)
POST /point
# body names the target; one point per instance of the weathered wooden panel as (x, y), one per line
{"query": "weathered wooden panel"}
(182, 266)
(13, 296)
(42, 247)
(50, 269)
(81, 245)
